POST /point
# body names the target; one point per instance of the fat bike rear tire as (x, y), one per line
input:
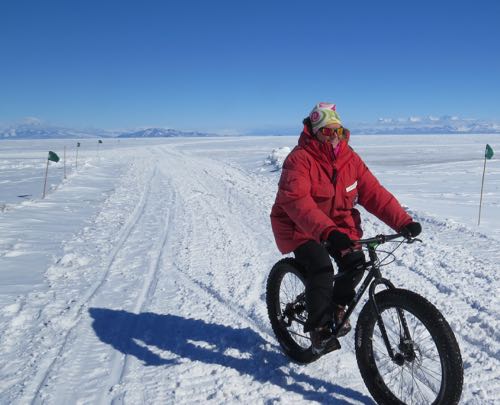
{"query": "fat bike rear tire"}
(285, 299)
(428, 368)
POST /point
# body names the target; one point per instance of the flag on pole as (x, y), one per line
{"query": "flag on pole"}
(488, 154)
(76, 160)
(65, 162)
(53, 157)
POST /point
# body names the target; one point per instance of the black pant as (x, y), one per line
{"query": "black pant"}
(321, 294)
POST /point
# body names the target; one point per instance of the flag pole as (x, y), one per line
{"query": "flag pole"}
(481, 198)
(52, 156)
(45, 182)
(76, 161)
(64, 162)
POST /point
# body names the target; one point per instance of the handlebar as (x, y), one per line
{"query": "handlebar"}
(380, 239)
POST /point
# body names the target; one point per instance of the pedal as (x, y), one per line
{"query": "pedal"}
(332, 345)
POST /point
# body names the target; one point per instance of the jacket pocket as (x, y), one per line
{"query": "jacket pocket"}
(322, 191)
(351, 195)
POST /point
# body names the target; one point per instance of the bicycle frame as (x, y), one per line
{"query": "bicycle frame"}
(371, 281)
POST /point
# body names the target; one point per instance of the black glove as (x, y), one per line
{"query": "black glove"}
(411, 230)
(338, 241)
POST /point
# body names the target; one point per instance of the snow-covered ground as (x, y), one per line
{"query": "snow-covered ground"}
(141, 277)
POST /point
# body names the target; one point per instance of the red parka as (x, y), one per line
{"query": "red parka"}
(318, 191)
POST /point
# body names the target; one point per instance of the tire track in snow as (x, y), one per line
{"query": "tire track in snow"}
(212, 246)
(40, 379)
(191, 187)
(119, 362)
(224, 229)
(181, 288)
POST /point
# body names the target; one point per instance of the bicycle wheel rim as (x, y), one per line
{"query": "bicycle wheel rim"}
(419, 379)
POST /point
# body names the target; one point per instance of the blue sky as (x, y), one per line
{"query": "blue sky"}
(246, 66)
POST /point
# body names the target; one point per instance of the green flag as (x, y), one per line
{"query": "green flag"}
(53, 157)
(488, 154)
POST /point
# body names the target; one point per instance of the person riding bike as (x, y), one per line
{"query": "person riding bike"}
(322, 180)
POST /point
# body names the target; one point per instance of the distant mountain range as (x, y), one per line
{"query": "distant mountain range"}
(162, 133)
(427, 125)
(35, 129)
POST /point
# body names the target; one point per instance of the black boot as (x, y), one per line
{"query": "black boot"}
(323, 341)
(339, 314)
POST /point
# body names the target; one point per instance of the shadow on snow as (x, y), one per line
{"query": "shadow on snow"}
(196, 340)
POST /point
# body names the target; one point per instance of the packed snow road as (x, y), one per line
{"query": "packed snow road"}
(160, 297)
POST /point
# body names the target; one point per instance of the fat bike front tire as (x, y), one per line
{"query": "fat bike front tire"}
(426, 369)
(285, 299)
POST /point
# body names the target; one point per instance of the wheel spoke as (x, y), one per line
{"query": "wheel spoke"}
(415, 383)
(299, 335)
(401, 383)
(434, 359)
(382, 350)
(423, 380)
(418, 336)
(412, 385)
(432, 372)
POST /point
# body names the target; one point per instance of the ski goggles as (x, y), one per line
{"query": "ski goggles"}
(331, 132)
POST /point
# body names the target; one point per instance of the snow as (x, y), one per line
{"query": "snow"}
(140, 278)
(277, 157)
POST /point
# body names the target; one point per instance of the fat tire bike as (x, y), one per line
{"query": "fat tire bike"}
(405, 349)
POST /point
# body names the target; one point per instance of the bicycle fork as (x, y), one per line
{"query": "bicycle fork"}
(397, 358)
